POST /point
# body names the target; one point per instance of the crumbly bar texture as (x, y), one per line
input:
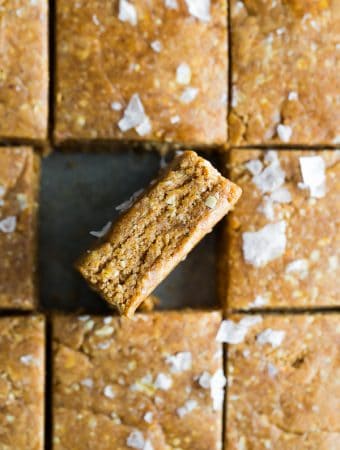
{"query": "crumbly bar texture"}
(24, 69)
(160, 389)
(285, 72)
(19, 185)
(158, 231)
(22, 380)
(132, 70)
(281, 244)
(283, 383)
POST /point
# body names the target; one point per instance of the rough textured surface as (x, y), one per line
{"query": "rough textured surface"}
(285, 397)
(158, 231)
(285, 71)
(19, 183)
(22, 379)
(103, 61)
(307, 271)
(23, 69)
(107, 386)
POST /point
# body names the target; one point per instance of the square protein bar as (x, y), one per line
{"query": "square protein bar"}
(22, 380)
(19, 186)
(142, 70)
(281, 245)
(285, 72)
(24, 69)
(152, 383)
(158, 231)
(283, 382)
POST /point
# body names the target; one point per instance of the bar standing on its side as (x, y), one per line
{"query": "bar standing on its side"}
(158, 231)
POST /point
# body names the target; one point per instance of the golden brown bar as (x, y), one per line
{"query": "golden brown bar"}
(281, 245)
(154, 382)
(24, 69)
(285, 72)
(283, 383)
(22, 381)
(19, 186)
(143, 70)
(158, 231)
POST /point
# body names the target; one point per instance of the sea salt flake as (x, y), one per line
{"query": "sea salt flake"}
(188, 406)
(128, 203)
(270, 179)
(175, 119)
(265, 245)
(284, 132)
(199, 9)
(272, 370)
(217, 384)
(109, 392)
(254, 166)
(272, 337)
(293, 96)
(189, 95)
(314, 175)
(204, 380)
(183, 73)
(179, 362)
(271, 157)
(163, 382)
(116, 106)
(171, 4)
(135, 117)
(258, 302)
(101, 233)
(267, 208)
(87, 382)
(8, 225)
(156, 46)
(281, 195)
(234, 332)
(127, 12)
(29, 360)
(299, 266)
(136, 440)
(148, 417)
(144, 128)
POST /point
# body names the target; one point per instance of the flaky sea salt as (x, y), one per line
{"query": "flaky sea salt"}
(258, 302)
(163, 382)
(188, 406)
(136, 440)
(116, 106)
(265, 245)
(128, 203)
(87, 382)
(217, 383)
(135, 117)
(8, 225)
(183, 73)
(156, 46)
(284, 132)
(179, 362)
(211, 202)
(28, 360)
(270, 179)
(109, 392)
(127, 12)
(313, 171)
(272, 337)
(204, 380)
(254, 166)
(281, 195)
(199, 9)
(148, 417)
(293, 96)
(189, 95)
(101, 233)
(171, 4)
(299, 266)
(234, 332)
